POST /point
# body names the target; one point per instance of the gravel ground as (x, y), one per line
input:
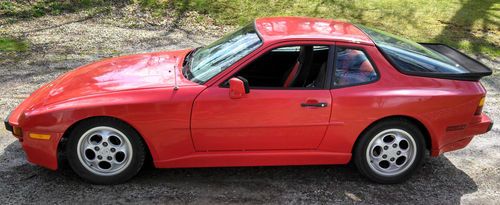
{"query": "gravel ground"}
(60, 43)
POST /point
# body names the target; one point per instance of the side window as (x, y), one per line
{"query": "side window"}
(352, 67)
(290, 67)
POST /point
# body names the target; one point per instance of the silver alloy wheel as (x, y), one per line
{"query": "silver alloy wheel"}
(104, 151)
(391, 152)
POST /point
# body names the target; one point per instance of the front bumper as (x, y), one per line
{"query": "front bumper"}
(40, 152)
(8, 127)
(13, 129)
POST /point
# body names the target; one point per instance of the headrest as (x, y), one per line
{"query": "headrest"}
(305, 53)
(366, 66)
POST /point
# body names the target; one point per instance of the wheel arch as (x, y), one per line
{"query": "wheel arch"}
(61, 147)
(416, 122)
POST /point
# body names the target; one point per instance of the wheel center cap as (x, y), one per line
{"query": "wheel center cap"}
(392, 151)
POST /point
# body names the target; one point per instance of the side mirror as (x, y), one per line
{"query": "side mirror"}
(238, 87)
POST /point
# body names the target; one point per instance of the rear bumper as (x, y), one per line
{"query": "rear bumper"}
(482, 125)
(490, 127)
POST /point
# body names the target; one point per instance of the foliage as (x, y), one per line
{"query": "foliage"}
(9, 45)
(29, 9)
(470, 25)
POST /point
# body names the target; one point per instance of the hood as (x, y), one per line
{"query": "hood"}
(141, 71)
(150, 70)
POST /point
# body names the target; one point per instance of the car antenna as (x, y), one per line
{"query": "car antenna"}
(176, 87)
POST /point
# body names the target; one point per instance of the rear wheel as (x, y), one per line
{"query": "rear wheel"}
(390, 151)
(105, 151)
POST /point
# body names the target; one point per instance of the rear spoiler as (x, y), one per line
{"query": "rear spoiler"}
(476, 69)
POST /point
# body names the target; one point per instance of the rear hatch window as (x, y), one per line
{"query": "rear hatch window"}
(430, 60)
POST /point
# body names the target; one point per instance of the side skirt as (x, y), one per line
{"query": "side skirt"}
(255, 158)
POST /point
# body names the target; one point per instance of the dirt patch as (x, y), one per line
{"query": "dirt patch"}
(61, 43)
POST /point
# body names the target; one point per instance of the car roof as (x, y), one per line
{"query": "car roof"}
(305, 28)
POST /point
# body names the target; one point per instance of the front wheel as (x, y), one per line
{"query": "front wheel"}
(105, 151)
(390, 151)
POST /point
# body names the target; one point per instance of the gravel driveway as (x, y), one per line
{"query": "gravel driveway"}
(58, 44)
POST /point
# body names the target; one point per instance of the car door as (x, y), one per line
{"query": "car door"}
(265, 119)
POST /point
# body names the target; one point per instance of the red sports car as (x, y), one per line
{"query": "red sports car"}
(279, 91)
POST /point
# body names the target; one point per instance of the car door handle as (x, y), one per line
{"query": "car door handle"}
(321, 104)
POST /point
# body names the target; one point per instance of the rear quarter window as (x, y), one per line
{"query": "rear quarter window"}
(352, 67)
(410, 57)
(416, 63)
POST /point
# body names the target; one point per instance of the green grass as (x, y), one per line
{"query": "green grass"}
(20, 9)
(12, 45)
(470, 25)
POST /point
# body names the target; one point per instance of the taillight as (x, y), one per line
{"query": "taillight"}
(479, 108)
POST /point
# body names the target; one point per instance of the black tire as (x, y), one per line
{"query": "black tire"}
(136, 160)
(360, 151)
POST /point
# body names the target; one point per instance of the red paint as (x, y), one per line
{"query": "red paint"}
(236, 88)
(263, 120)
(202, 126)
(293, 28)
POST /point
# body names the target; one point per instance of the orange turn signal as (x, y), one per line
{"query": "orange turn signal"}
(17, 131)
(481, 102)
(40, 136)
(479, 108)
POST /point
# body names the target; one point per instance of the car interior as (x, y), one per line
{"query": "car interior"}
(288, 67)
(296, 67)
(352, 67)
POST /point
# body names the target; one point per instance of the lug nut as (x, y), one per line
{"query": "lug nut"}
(99, 157)
(386, 147)
(394, 145)
(384, 156)
(110, 158)
(113, 149)
(105, 144)
(392, 159)
(399, 152)
(96, 148)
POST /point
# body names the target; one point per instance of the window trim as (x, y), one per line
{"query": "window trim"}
(334, 76)
(329, 68)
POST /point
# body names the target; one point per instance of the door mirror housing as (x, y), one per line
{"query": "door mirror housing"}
(238, 87)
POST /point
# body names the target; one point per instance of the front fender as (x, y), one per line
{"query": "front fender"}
(161, 116)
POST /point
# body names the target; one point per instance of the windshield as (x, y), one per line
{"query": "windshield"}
(211, 60)
(412, 57)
